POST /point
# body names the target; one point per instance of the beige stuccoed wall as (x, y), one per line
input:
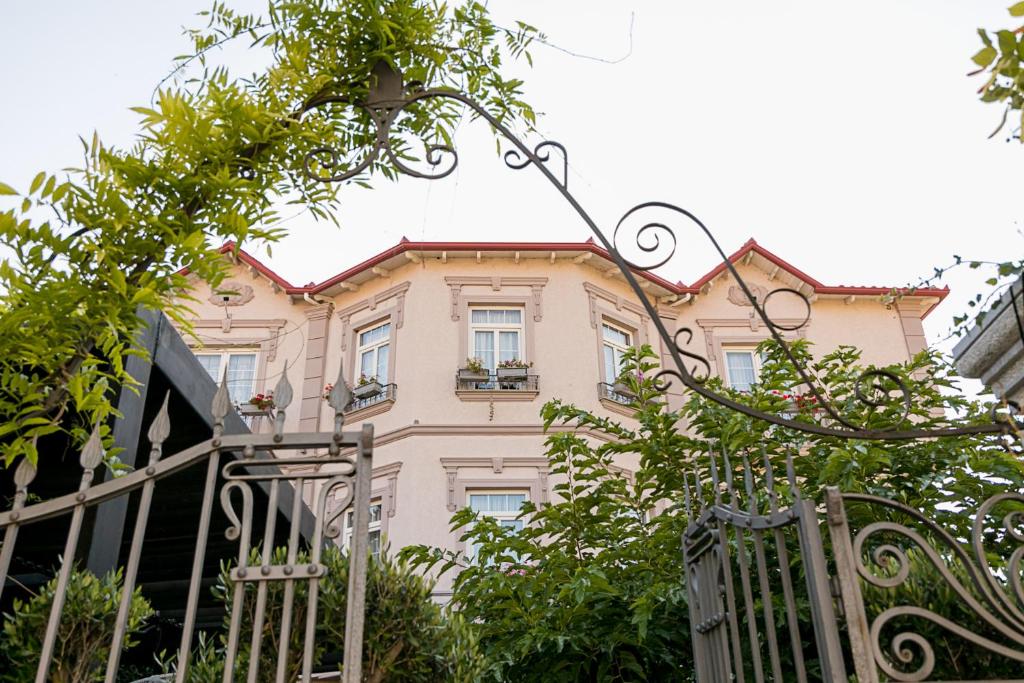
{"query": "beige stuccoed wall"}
(430, 443)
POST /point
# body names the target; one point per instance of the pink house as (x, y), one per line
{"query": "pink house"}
(451, 433)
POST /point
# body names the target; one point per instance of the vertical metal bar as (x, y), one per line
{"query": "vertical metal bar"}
(748, 593)
(748, 603)
(159, 430)
(826, 631)
(289, 585)
(762, 567)
(259, 615)
(795, 644)
(766, 605)
(128, 587)
(355, 611)
(23, 476)
(198, 558)
(791, 616)
(861, 650)
(238, 597)
(309, 644)
(92, 456)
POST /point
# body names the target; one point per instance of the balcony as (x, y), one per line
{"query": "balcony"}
(373, 404)
(615, 399)
(490, 386)
(607, 392)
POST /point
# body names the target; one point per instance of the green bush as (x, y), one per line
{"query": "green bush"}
(85, 633)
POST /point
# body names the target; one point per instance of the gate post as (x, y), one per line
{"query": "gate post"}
(823, 615)
(849, 588)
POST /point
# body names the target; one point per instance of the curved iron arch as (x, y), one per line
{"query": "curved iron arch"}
(389, 97)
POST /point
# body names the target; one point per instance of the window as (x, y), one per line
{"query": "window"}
(742, 367)
(496, 335)
(238, 368)
(614, 343)
(375, 528)
(503, 506)
(373, 352)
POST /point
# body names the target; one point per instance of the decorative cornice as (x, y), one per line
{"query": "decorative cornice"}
(397, 293)
(269, 323)
(320, 312)
(496, 283)
(620, 303)
(753, 322)
(372, 302)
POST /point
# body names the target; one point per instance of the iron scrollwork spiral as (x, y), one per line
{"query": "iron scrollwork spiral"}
(979, 588)
(653, 242)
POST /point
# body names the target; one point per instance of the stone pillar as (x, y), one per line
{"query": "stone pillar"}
(319, 318)
(910, 311)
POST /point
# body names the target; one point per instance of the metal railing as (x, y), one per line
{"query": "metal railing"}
(388, 392)
(607, 391)
(254, 464)
(497, 382)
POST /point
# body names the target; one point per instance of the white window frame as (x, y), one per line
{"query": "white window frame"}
(495, 329)
(499, 517)
(225, 358)
(615, 346)
(375, 526)
(755, 356)
(374, 348)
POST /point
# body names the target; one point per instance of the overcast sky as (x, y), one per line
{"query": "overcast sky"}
(845, 137)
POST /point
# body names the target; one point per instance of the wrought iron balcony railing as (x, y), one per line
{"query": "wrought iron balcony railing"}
(388, 392)
(606, 390)
(496, 382)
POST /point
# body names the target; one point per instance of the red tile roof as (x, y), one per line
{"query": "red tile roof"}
(588, 246)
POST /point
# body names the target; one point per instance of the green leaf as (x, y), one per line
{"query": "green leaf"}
(7, 189)
(984, 56)
(37, 182)
(1017, 10)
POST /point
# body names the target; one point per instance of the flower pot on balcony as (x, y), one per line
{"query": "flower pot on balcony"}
(253, 410)
(466, 375)
(512, 373)
(367, 390)
(623, 388)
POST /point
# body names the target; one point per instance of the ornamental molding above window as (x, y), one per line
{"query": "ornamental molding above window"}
(267, 345)
(457, 486)
(599, 313)
(496, 284)
(372, 303)
(595, 293)
(738, 297)
(389, 494)
(231, 293)
(717, 334)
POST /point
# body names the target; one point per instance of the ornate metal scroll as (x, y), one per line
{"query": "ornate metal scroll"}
(737, 553)
(655, 241)
(894, 569)
(345, 467)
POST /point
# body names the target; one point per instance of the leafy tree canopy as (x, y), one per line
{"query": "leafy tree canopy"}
(216, 157)
(593, 586)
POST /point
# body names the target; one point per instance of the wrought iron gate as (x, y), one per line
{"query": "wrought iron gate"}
(739, 549)
(344, 466)
(899, 554)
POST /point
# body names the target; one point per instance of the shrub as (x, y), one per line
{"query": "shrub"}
(407, 638)
(85, 633)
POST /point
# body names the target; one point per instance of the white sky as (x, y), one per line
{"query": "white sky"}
(843, 136)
